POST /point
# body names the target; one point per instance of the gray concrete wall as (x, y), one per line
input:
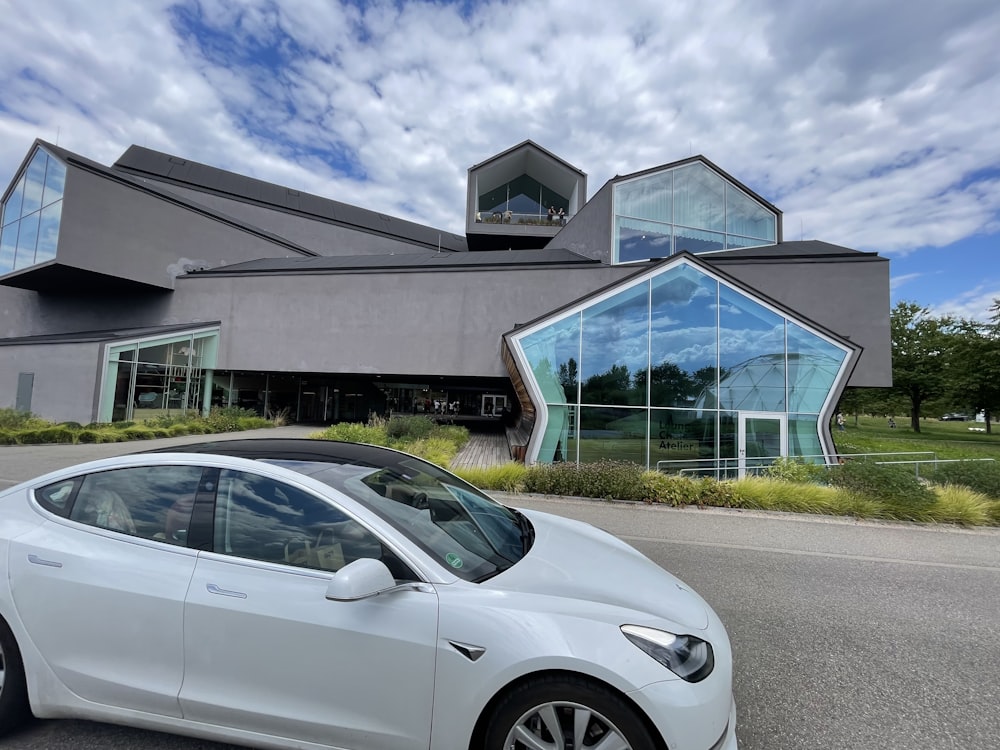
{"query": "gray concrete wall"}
(850, 298)
(589, 233)
(66, 377)
(322, 237)
(111, 228)
(445, 323)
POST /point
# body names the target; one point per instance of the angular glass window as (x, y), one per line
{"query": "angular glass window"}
(748, 218)
(699, 198)
(697, 241)
(682, 439)
(32, 213)
(684, 344)
(559, 442)
(554, 355)
(642, 240)
(613, 434)
(803, 437)
(615, 351)
(813, 366)
(751, 354)
(646, 198)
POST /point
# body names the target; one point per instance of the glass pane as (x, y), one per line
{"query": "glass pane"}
(559, 443)
(684, 344)
(616, 349)
(734, 241)
(553, 354)
(27, 236)
(813, 365)
(747, 217)
(150, 502)
(803, 436)
(55, 181)
(155, 353)
(728, 444)
(35, 183)
(699, 198)
(697, 241)
(683, 439)
(613, 434)
(641, 240)
(12, 206)
(751, 355)
(646, 198)
(8, 247)
(763, 437)
(48, 232)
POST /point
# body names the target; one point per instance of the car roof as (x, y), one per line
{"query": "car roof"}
(291, 449)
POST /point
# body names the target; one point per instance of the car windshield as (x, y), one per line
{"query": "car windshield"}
(469, 533)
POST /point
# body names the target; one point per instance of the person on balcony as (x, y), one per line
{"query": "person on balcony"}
(507, 216)
(562, 217)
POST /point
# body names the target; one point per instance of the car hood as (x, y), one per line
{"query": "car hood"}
(571, 560)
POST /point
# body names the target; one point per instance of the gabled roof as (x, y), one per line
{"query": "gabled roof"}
(402, 262)
(797, 250)
(168, 169)
(527, 145)
(700, 160)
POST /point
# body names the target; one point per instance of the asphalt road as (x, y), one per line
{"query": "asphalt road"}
(846, 635)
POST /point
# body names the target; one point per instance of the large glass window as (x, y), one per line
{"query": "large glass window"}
(157, 377)
(31, 214)
(615, 352)
(707, 356)
(687, 208)
(523, 200)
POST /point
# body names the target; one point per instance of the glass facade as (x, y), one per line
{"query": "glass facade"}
(678, 369)
(158, 376)
(687, 208)
(31, 214)
(523, 200)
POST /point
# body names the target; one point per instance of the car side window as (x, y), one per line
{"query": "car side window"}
(152, 502)
(262, 519)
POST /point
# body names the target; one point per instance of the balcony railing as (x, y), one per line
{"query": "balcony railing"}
(509, 217)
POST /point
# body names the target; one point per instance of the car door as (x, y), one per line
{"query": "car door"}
(267, 652)
(100, 586)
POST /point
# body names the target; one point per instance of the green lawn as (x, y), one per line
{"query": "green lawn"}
(944, 439)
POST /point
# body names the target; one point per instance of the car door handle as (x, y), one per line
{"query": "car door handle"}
(213, 589)
(42, 561)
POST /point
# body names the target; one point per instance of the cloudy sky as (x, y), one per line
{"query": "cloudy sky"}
(871, 124)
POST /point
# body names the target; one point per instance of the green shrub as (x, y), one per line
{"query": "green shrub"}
(993, 512)
(436, 450)
(71, 425)
(121, 426)
(227, 418)
(355, 433)
(254, 423)
(901, 494)
(672, 489)
(88, 435)
(177, 430)
(955, 504)
(508, 477)
(137, 433)
(981, 476)
(793, 469)
(15, 419)
(8, 437)
(611, 480)
(407, 427)
(44, 435)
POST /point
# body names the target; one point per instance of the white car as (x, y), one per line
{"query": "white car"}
(315, 594)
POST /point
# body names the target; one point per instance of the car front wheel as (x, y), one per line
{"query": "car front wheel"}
(566, 712)
(13, 694)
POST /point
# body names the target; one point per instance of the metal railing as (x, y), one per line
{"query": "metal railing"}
(509, 217)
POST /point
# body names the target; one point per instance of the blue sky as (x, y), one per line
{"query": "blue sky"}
(871, 124)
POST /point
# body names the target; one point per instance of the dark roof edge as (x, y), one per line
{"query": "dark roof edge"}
(111, 334)
(522, 144)
(372, 270)
(128, 180)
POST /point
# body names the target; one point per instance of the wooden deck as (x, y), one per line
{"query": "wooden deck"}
(482, 451)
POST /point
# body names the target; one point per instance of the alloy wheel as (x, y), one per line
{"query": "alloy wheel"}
(564, 726)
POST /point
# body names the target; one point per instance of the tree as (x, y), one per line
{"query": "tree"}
(920, 353)
(974, 369)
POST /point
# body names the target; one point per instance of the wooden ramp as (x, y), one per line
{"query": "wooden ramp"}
(482, 451)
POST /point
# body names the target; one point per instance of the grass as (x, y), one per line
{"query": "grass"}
(945, 439)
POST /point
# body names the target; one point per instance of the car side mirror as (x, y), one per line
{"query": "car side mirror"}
(360, 579)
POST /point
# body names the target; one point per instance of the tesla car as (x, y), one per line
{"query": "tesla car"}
(316, 594)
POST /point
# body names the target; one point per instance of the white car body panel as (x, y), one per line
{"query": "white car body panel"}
(264, 663)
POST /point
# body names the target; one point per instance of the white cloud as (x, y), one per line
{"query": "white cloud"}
(974, 304)
(869, 126)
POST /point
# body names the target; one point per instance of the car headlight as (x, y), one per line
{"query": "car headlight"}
(687, 657)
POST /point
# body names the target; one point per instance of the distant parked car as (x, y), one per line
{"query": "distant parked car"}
(955, 418)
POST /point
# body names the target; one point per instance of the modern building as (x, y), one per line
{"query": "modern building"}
(665, 320)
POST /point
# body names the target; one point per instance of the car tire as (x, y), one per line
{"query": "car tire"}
(546, 705)
(14, 707)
